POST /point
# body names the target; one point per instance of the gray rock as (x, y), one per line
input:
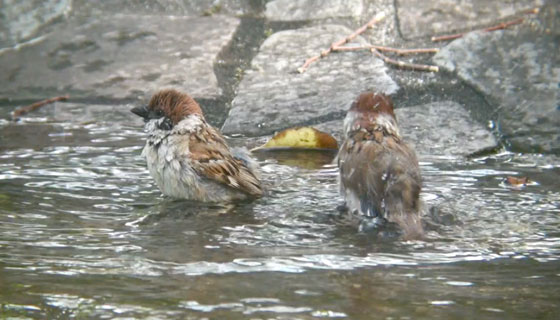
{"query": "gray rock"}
(295, 10)
(352, 14)
(21, 20)
(428, 18)
(435, 129)
(384, 32)
(119, 57)
(519, 70)
(444, 128)
(274, 96)
(165, 7)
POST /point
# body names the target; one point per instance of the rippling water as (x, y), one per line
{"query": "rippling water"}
(85, 233)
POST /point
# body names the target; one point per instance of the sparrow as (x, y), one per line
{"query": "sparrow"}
(378, 172)
(188, 158)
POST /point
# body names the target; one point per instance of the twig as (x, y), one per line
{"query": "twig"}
(401, 64)
(403, 52)
(499, 26)
(311, 60)
(504, 25)
(34, 106)
(379, 17)
(400, 52)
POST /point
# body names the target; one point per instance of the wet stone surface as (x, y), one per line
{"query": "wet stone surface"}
(135, 48)
(441, 128)
(519, 70)
(120, 57)
(27, 19)
(166, 7)
(429, 18)
(274, 96)
(286, 10)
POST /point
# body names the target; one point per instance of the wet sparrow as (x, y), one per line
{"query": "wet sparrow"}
(188, 158)
(379, 173)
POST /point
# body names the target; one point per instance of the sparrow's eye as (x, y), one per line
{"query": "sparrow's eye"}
(165, 124)
(159, 113)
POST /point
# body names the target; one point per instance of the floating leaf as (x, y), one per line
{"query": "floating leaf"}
(300, 138)
(301, 158)
(518, 182)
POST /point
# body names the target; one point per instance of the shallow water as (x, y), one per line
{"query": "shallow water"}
(85, 233)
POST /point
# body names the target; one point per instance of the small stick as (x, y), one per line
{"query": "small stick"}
(401, 52)
(34, 106)
(504, 25)
(499, 26)
(311, 60)
(378, 17)
(401, 64)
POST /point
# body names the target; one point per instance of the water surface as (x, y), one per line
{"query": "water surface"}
(84, 232)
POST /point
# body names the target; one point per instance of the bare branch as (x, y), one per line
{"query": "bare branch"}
(405, 65)
(499, 26)
(401, 52)
(34, 106)
(379, 17)
(307, 63)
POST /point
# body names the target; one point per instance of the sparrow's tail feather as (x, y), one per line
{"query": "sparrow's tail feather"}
(252, 171)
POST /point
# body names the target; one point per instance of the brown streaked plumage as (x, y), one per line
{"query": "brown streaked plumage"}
(212, 158)
(379, 173)
(190, 159)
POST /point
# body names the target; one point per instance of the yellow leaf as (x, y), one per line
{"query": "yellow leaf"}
(300, 138)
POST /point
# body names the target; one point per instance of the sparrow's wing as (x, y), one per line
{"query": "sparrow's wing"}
(211, 158)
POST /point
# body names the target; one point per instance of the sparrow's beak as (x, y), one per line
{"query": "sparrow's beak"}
(141, 111)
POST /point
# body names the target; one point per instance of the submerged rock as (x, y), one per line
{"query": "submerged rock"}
(518, 70)
(440, 128)
(119, 57)
(274, 96)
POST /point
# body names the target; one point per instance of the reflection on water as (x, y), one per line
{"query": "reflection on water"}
(85, 232)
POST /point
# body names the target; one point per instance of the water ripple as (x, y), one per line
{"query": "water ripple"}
(80, 208)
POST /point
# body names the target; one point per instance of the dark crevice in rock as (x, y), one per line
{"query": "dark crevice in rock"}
(230, 64)
(257, 6)
(237, 55)
(397, 21)
(215, 110)
(235, 58)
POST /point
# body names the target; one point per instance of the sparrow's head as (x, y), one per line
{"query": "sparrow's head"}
(169, 107)
(371, 111)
